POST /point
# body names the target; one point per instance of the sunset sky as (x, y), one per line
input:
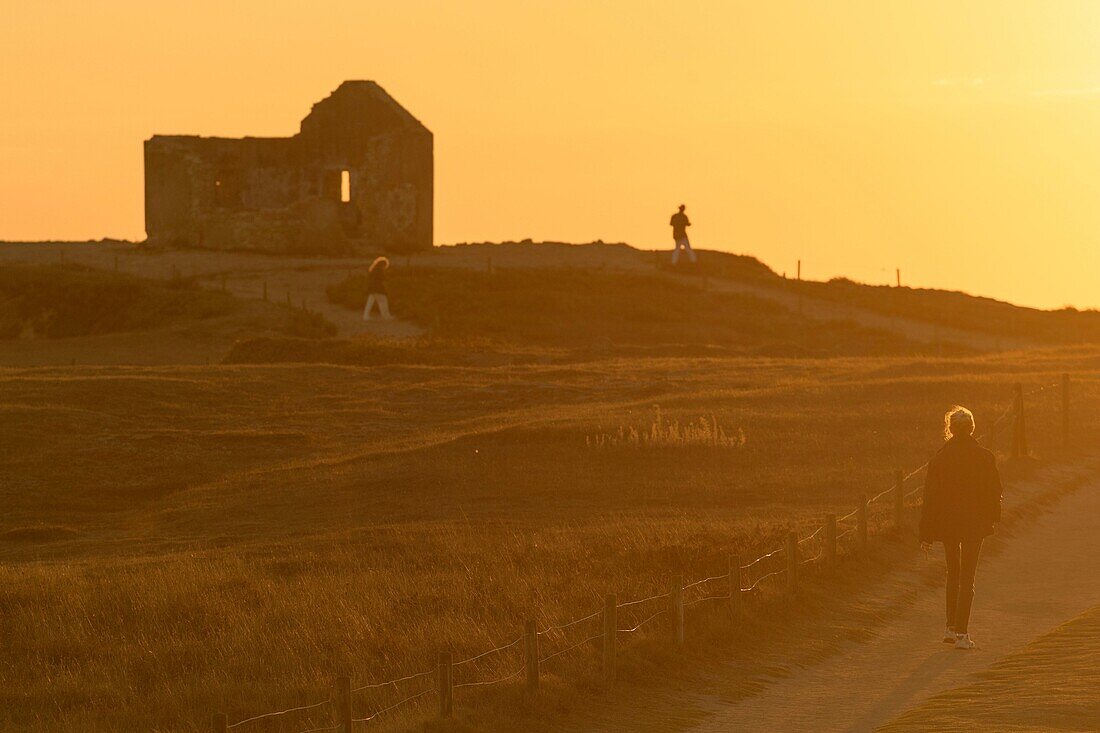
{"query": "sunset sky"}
(957, 141)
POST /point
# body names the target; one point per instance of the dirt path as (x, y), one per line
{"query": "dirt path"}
(1043, 576)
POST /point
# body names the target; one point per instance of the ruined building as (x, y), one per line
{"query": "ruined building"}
(356, 178)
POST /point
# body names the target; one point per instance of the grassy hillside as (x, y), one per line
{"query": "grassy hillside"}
(964, 311)
(1051, 685)
(568, 308)
(65, 301)
(57, 301)
(177, 540)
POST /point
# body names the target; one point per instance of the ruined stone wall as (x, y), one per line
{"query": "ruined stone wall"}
(284, 194)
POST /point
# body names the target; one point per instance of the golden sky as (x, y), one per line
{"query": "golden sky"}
(957, 141)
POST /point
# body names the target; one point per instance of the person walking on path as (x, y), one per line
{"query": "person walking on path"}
(376, 289)
(962, 502)
(680, 223)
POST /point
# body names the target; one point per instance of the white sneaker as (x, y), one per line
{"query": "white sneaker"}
(963, 641)
(949, 635)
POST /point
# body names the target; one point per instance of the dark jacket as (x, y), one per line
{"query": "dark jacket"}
(376, 281)
(962, 494)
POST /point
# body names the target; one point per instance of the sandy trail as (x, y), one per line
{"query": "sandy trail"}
(1046, 574)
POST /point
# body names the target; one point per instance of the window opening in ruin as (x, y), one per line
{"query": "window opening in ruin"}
(345, 186)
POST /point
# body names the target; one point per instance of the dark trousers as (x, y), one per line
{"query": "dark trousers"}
(962, 564)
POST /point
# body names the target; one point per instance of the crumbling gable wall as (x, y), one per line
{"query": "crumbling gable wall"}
(287, 194)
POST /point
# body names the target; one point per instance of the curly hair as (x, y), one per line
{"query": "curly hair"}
(958, 421)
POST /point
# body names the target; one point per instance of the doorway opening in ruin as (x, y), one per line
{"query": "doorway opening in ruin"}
(345, 186)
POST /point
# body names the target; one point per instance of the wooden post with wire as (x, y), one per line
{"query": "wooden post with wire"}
(899, 500)
(1019, 431)
(1065, 410)
(862, 517)
(343, 704)
(737, 607)
(531, 654)
(676, 595)
(799, 286)
(610, 636)
(446, 685)
(830, 542)
(221, 723)
(792, 561)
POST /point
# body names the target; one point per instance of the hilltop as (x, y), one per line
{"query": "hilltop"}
(512, 301)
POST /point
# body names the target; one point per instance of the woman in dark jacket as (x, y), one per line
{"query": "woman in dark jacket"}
(962, 502)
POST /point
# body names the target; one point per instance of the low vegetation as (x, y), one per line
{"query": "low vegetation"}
(572, 308)
(664, 433)
(58, 301)
(964, 311)
(64, 301)
(182, 540)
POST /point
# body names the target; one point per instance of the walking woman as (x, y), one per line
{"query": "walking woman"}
(376, 289)
(962, 502)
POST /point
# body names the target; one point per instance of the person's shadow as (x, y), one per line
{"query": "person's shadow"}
(901, 696)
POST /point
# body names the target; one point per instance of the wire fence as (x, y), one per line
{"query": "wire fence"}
(823, 541)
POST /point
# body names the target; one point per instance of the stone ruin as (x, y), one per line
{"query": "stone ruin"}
(357, 178)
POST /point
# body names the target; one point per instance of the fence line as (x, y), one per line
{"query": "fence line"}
(791, 551)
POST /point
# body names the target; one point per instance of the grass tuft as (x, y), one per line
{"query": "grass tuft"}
(670, 433)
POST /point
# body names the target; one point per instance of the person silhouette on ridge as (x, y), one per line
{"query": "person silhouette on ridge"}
(680, 223)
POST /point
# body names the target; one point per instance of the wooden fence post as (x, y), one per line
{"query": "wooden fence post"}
(1019, 431)
(830, 542)
(862, 516)
(446, 685)
(899, 500)
(792, 561)
(221, 723)
(610, 636)
(676, 594)
(737, 608)
(343, 704)
(531, 651)
(1065, 410)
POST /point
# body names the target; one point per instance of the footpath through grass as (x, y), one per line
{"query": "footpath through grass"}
(1051, 685)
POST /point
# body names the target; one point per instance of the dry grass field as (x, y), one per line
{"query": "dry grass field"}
(1049, 686)
(549, 424)
(180, 540)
